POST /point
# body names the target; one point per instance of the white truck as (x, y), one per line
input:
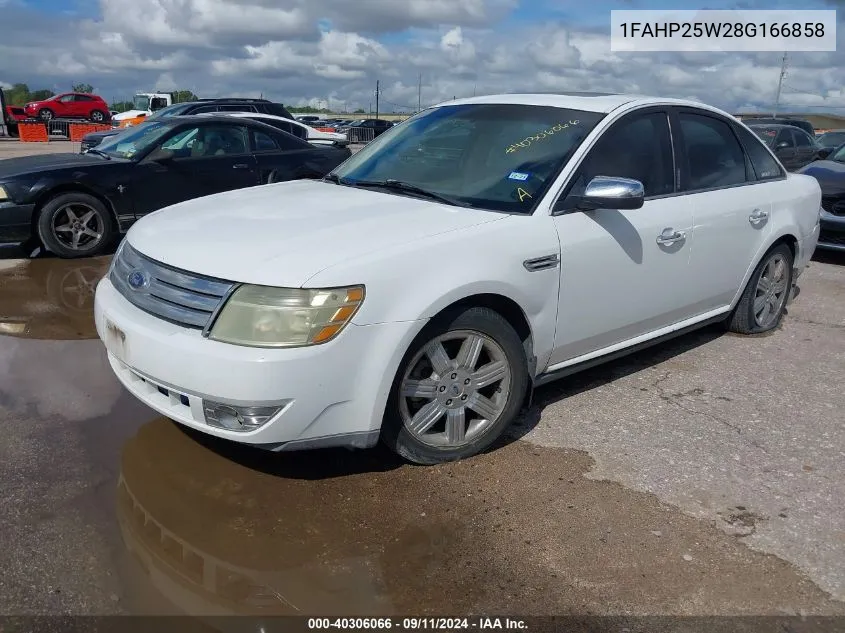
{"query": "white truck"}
(143, 105)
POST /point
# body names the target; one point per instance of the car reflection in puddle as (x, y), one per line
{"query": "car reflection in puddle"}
(217, 537)
(49, 298)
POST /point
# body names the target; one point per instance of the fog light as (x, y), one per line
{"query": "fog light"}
(234, 418)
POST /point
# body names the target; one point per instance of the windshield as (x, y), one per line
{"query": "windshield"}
(768, 134)
(134, 140)
(140, 102)
(832, 139)
(838, 155)
(500, 157)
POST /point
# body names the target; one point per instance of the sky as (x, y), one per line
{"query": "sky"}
(331, 53)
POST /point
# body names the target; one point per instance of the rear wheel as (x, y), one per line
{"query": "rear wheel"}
(458, 388)
(764, 299)
(74, 225)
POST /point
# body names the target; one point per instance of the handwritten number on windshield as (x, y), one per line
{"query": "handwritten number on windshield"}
(514, 147)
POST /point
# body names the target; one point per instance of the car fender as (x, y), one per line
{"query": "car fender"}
(414, 282)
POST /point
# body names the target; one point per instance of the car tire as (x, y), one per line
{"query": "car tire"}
(484, 368)
(272, 177)
(45, 114)
(76, 218)
(764, 300)
(97, 116)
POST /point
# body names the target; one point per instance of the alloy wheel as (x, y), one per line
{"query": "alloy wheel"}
(771, 291)
(455, 389)
(78, 226)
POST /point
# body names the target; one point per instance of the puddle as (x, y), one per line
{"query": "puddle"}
(50, 298)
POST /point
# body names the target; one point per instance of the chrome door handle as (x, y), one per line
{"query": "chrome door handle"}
(671, 236)
(758, 216)
(240, 166)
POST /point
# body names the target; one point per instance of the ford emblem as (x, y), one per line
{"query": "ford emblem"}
(138, 279)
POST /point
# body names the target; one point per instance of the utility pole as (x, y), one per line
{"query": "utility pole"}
(377, 91)
(783, 66)
(419, 93)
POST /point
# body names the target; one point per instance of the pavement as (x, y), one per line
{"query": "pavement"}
(12, 147)
(701, 477)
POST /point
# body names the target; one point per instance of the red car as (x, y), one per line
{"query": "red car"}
(71, 105)
(15, 113)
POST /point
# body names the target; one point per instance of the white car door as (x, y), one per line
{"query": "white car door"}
(730, 207)
(624, 273)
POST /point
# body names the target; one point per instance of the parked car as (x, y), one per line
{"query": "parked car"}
(830, 141)
(800, 123)
(364, 130)
(300, 130)
(418, 298)
(194, 107)
(75, 205)
(13, 115)
(830, 173)
(308, 118)
(70, 105)
(793, 147)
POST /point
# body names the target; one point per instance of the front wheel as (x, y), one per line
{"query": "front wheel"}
(458, 388)
(75, 225)
(764, 299)
(45, 114)
(97, 116)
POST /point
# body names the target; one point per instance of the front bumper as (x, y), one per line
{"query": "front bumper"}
(327, 394)
(832, 236)
(15, 222)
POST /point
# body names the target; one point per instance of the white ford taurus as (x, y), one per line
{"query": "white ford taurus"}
(481, 248)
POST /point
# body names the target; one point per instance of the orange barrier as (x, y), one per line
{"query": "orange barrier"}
(32, 133)
(78, 130)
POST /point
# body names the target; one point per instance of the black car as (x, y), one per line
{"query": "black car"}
(195, 107)
(364, 130)
(799, 123)
(76, 204)
(830, 173)
(830, 140)
(793, 146)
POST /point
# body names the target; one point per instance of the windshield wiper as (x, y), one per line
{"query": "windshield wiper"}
(398, 185)
(333, 178)
(99, 152)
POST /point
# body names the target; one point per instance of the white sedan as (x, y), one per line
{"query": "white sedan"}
(484, 247)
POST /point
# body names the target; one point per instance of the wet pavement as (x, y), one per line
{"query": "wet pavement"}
(608, 503)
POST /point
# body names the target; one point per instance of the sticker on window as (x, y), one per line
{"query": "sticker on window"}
(517, 175)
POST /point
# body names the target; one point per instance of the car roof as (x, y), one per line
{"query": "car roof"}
(602, 102)
(773, 125)
(253, 115)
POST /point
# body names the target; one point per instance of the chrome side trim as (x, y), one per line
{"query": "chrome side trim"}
(541, 263)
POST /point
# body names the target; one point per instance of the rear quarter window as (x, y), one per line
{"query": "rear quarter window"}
(764, 165)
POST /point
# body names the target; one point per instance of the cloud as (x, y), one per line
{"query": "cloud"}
(324, 50)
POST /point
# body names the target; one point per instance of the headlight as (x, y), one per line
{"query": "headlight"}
(3, 194)
(263, 316)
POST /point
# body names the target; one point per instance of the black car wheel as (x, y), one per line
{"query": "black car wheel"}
(46, 114)
(75, 225)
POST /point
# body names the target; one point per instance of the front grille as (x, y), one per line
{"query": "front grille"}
(184, 298)
(835, 206)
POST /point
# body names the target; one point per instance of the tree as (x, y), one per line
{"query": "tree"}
(359, 111)
(19, 95)
(121, 106)
(183, 96)
(86, 89)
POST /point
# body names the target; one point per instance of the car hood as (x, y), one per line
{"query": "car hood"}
(129, 114)
(829, 173)
(99, 136)
(22, 165)
(284, 234)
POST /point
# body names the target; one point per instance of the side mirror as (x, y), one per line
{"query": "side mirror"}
(824, 152)
(160, 155)
(608, 192)
(782, 145)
